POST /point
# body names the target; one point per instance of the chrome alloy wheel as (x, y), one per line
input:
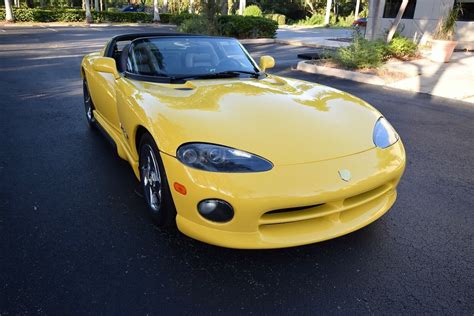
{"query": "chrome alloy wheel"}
(151, 178)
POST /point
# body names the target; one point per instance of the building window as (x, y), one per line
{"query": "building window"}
(467, 10)
(392, 6)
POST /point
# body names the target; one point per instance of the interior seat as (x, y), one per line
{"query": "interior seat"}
(122, 63)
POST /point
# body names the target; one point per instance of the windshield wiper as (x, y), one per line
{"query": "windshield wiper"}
(221, 74)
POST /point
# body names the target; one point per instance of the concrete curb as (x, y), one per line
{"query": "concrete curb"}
(302, 43)
(340, 73)
(257, 41)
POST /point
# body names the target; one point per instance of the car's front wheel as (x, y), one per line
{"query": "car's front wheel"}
(155, 184)
(88, 105)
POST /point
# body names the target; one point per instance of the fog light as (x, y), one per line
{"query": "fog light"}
(216, 210)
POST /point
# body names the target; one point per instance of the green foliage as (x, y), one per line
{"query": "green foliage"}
(279, 18)
(252, 10)
(246, 26)
(293, 9)
(122, 17)
(39, 15)
(371, 54)
(315, 19)
(345, 21)
(74, 15)
(195, 25)
(360, 54)
(165, 17)
(401, 48)
(178, 19)
(447, 25)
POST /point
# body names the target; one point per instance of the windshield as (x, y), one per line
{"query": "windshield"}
(184, 57)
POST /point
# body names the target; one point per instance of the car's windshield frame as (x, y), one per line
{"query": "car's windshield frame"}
(176, 78)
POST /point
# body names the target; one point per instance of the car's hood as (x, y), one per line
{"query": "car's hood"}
(286, 121)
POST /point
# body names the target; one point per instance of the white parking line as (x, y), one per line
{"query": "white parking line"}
(48, 28)
(3, 31)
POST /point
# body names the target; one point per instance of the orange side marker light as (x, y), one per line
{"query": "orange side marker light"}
(180, 188)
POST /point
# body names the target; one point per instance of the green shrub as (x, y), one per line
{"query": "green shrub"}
(130, 17)
(74, 15)
(371, 54)
(360, 54)
(41, 15)
(401, 48)
(279, 18)
(315, 19)
(178, 19)
(246, 26)
(195, 25)
(252, 10)
(165, 17)
(345, 21)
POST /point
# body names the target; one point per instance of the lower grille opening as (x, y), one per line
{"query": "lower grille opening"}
(292, 209)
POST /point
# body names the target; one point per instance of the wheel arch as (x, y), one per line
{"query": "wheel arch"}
(140, 130)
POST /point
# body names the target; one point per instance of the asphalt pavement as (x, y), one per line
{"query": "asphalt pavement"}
(75, 237)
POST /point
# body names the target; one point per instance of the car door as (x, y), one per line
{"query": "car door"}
(102, 89)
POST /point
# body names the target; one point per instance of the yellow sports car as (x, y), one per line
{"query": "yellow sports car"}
(234, 156)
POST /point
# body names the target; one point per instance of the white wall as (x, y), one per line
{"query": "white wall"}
(425, 21)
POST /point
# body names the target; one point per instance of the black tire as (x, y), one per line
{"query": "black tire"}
(160, 205)
(88, 104)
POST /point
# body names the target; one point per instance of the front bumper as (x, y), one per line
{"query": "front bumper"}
(264, 203)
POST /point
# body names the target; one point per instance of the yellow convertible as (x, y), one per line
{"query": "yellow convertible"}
(234, 156)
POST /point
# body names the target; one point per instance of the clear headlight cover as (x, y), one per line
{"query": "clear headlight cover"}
(218, 158)
(384, 134)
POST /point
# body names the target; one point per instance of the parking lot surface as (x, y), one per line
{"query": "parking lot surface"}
(75, 237)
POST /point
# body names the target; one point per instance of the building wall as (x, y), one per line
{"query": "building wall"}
(424, 23)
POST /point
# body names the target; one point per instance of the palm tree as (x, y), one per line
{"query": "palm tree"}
(327, 18)
(242, 5)
(156, 13)
(9, 12)
(88, 12)
(164, 9)
(394, 26)
(356, 12)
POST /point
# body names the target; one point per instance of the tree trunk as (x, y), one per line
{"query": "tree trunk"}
(327, 18)
(165, 6)
(224, 7)
(242, 5)
(156, 13)
(17, 3)
(9, 18)
(394, 26)
(191, 6)
(96, 6)
(88, 12)
(105, 5)
(356, 12)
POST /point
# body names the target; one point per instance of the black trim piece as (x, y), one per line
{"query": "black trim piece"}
(292, 209)
(105, 134)
(109, 50)
(156, 79)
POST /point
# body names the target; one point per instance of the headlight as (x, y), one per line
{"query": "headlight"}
(384, 134)
(217, 158)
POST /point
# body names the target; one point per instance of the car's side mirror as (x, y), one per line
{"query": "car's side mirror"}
(266, 62)
(106, 64)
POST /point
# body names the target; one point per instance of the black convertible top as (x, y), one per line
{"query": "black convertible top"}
(109, 50)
